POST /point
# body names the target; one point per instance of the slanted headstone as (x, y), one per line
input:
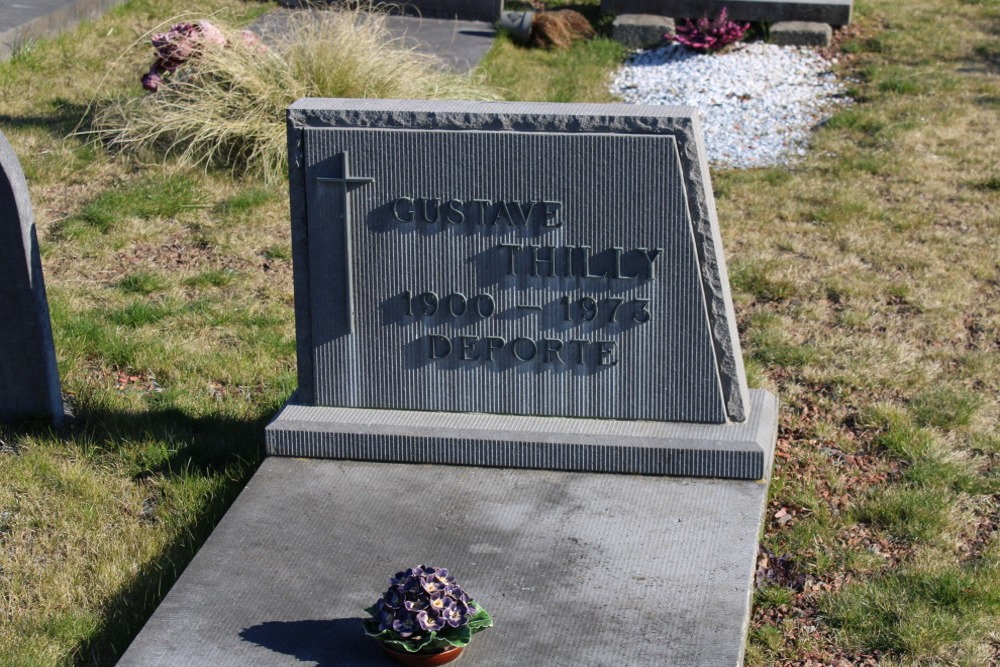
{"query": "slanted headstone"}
(506, 286)
(29, 377)
(833, 12)
(557, 268)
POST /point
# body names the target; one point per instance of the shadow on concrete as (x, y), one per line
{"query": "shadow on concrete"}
(338, 642)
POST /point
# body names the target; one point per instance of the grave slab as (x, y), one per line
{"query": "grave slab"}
(576, 568)
(834, 12)
(800, 33)
(29, 376)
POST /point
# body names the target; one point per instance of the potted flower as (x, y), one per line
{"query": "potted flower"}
(424, 617)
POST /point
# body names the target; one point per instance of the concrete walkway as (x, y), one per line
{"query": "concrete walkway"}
(460, 45)
(23, 21)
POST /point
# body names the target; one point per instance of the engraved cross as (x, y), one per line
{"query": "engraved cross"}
(341, 210)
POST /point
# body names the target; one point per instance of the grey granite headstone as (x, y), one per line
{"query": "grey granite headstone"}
(464, 270)
(29, 377)
(834, 12)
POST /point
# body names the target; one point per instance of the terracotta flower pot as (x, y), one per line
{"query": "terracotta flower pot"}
(424, 659)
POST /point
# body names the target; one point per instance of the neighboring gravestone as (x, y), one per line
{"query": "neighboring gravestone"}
(833, 12)
(555, 267)
(29, 378)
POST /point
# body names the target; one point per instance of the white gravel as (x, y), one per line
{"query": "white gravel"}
(757, 103)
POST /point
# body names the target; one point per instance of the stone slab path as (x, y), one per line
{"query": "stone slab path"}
(460, 45)
(22, 21)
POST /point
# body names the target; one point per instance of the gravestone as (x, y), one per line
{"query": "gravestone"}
(833, 12)
(536, 296)
(29, 377)
(558, 269)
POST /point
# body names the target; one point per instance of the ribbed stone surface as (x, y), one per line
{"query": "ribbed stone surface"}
(733, 451)
(629, 181)
(29, 377)
(576, 568)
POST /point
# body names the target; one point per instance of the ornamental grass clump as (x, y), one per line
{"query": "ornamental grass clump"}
(217, 96)
(708, 35)
(424, 610)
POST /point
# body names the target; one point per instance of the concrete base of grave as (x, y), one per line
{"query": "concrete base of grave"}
(576, 568)
(733, 451)
(801, 33)
(641, 31)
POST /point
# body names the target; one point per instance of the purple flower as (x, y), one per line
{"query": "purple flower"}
(705, 34)
(393, 598)
(455, 613)
(431, 585)
(152, 80)
(405, 626)
(384, 614)
(416, 604)
(177, 45)
(430, 622)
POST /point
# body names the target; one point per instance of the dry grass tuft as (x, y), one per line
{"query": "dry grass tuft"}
(227, 109)
(559, 29)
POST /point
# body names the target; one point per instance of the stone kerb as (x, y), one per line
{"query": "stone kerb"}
(465, 10)
(29, 378)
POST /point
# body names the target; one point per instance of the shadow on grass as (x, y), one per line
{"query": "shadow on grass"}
(207, 445)
(65, 118)
(338, 642)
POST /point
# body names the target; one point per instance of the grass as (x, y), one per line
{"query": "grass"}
(865, 281)
(227, 107)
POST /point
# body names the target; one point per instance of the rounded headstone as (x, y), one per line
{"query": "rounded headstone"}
(29, 377)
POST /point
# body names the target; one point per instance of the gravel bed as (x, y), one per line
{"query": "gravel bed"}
(758, 102)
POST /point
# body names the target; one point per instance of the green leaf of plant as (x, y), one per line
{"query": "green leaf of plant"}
(371, 628)
(480, 620)
(460, 636)
(429, 641)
